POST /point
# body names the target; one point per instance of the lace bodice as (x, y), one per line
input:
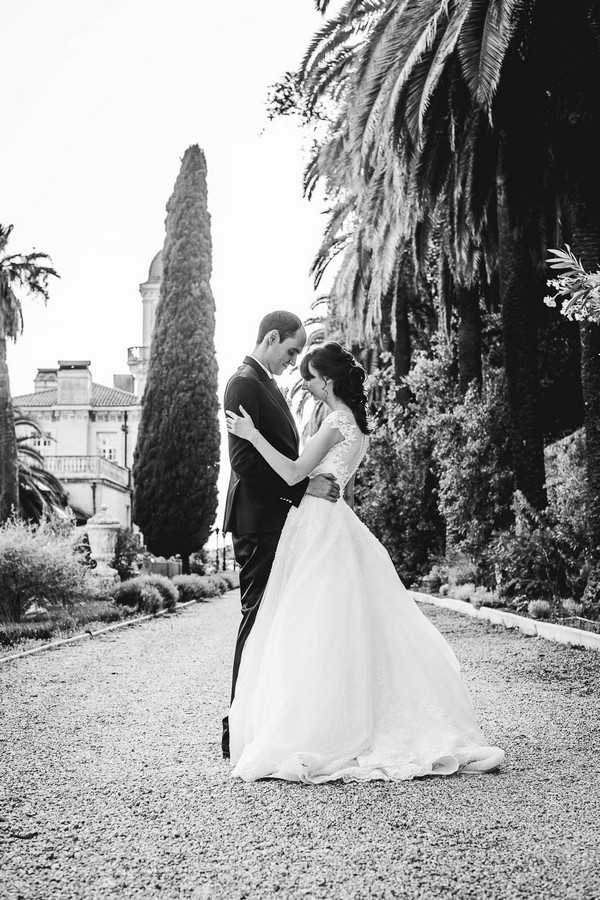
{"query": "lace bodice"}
(345, 457)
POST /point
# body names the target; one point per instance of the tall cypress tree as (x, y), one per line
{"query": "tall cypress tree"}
(176, 461)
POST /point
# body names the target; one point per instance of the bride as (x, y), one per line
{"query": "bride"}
(342, 676)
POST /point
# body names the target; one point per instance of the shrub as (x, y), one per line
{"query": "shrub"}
(591, 595)
(539, 609)
(165, 587)
(82, 547)
(193, 587)
(198, 563)
(126, 553)
(540, 558)
(232, 577)
(38, 563)
(461, 570)
(566, 481)
(471, 452)
(397, 486)
(464, 592)
(571, 608)
(220, 585)
(139, 594)
(483, 597)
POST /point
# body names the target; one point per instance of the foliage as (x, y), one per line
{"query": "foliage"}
(472, 455)
(40, 492)
(397, 486)
(139, 594)
(198, 561)
(127, 549)
(577, 290)
(232, 577)
(539, 609)
(165, 587)
(566, 482)
(82, 547)
(194, 587)
(541, 558)
(176, 460)
(26, 272)
(590, 599)
(38, 563)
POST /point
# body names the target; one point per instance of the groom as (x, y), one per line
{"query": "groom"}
(258, 500)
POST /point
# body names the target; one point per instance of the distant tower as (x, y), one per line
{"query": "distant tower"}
(138, 357)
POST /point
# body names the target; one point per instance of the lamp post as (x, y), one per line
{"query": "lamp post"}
(217, 530)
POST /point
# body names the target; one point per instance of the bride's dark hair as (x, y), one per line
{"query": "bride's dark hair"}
(331, 360)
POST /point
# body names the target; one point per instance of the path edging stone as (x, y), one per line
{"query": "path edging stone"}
(125, 623)
(550, 631)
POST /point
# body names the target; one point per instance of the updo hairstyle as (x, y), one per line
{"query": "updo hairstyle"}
(332, 361)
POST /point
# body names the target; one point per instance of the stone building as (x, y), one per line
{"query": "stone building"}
(138, 357)
(89, 430)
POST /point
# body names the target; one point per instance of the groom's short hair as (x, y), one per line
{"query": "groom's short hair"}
(286, 323)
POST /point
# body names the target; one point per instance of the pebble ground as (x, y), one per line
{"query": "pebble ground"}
(113, 785)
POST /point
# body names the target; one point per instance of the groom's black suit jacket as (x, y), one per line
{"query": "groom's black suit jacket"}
(258, 500)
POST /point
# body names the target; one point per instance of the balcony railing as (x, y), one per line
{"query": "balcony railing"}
(92, 467)
(137, 355)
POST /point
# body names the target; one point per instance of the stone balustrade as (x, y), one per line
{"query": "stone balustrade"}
(86, 467)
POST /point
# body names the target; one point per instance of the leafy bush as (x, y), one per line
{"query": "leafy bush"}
(126, 553)
(38, 563)
(397, 486)
(461, 570)
(165, 588)
(219, 584)
(471, 452)
(591, 595)
(483, 597)
(193, 587)
(540, 558)
(82, 547)
(539, 609)
(198, 563)
(232, 577)
(464, 592)
(139, 594)
(571, 608)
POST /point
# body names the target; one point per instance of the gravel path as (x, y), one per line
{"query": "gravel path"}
(113, 787)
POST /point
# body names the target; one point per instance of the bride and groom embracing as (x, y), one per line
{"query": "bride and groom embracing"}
(337, 674)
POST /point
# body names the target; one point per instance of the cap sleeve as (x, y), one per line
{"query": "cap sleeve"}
(344, 422)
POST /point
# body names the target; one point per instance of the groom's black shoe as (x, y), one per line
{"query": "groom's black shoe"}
(225, 738)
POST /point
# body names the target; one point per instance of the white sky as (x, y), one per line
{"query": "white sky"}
(104, 99)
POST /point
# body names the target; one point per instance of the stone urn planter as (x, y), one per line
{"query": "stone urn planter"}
(102, 533)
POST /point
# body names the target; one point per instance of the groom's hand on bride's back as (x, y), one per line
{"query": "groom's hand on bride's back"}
(325, 487)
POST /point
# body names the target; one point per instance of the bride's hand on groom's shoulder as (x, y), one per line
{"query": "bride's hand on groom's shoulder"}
(325, 487)
(242, 426)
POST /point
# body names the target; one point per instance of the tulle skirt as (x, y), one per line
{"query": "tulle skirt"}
(342, 676)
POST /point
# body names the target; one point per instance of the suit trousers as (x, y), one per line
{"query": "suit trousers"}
(254, 553)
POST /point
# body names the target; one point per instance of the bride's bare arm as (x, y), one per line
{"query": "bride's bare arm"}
(291, 470)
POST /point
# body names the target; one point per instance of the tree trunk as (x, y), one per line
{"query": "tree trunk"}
(402, 349)
(586, 245)
(9, 484)
(405, 291)
(469, 337)
(520, 292)
(445, 296)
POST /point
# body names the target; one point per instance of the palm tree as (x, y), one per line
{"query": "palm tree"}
(468, 96)
(40, 492)
(18, 271)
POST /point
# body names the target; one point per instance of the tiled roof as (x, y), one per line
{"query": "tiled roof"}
(102, 396)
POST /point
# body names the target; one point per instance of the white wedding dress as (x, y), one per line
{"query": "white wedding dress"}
(342, 676)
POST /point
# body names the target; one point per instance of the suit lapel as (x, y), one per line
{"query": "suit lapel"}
(271, 386)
